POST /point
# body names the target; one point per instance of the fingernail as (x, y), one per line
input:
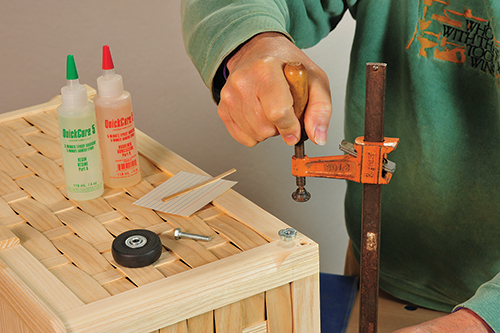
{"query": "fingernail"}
(290, 139)
(320, 135)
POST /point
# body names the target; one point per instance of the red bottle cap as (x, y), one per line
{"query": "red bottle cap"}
(107, 61)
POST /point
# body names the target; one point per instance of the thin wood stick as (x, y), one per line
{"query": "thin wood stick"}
(194, 187)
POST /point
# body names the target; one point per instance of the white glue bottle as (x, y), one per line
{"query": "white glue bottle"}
(79, 139)
(115, 122)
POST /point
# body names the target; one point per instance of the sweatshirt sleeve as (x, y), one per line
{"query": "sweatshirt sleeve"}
(213, 29)
(485, 303)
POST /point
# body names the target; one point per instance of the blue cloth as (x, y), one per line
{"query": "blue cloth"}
(337, 293)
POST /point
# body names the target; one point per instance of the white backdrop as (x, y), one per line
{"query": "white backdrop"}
(170, 102)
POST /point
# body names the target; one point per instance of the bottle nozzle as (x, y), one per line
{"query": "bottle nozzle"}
(71, 72)
(109, 84)
(73, 94)
(107, 61)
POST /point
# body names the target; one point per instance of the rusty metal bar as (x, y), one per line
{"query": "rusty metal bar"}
(370, 233)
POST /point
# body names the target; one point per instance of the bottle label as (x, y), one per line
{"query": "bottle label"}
(81, 154)
(118, 143)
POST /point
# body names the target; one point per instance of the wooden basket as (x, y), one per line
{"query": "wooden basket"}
(57, 273)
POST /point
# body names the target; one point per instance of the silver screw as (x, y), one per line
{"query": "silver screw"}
(178, 234)
(287, 234)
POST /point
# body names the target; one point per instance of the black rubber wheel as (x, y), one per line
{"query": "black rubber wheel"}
(136, 248)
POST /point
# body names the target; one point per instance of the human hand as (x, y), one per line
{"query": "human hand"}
(462, 320)
(256, 102)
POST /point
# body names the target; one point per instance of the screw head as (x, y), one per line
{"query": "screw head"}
(177, 233)
(287, 234)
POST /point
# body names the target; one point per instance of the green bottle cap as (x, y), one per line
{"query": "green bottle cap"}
(71, 72)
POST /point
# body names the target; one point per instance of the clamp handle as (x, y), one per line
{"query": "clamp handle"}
(296, 76)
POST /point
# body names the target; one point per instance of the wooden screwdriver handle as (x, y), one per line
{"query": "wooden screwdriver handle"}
(296, 75)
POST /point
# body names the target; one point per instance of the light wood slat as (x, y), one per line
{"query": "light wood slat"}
(6, 212)
(20, 125)
(306, 306)
(55, 261)
(245, 211)
(7, 185)
(160, 228)
(82, 254)
(56, 233)
(141, 216)
(109, 276)
(259, 328)
(119, 286)
(37, 214)
(45, 285)
(156, 179)
(61, 206)
(139, 276)
(10, 222)
(242, 236)
(225, 250)
(215, 241)
(41, 190)
(45, 168)
(148, 168)
(85, 226)
(108, 217)
(229, 318)
(103, 246)
(11, 165)
(177, 328)
(190, 251)
(36, 243)
(95, 207)
(45, 121)
(279, 310)
(111, 192)
(172, 267)
(45, 144)
(23, 302)
(208, 212)
(254, 310)
(166, 257)
(7, 238)
(203, 323)
(82, 285)
(117, 227)
(9, 139)
(9, 322)
(15, 196)
(165, 159)
(197, 291)
(192, 224)
(140, 189)
(24, 151)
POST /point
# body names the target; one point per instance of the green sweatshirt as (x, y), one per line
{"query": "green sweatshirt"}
(441, 211)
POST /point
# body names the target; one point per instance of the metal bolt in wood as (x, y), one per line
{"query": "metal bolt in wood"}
(179, 234)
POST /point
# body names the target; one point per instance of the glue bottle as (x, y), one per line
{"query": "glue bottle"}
(116, 128)
(79, 139)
